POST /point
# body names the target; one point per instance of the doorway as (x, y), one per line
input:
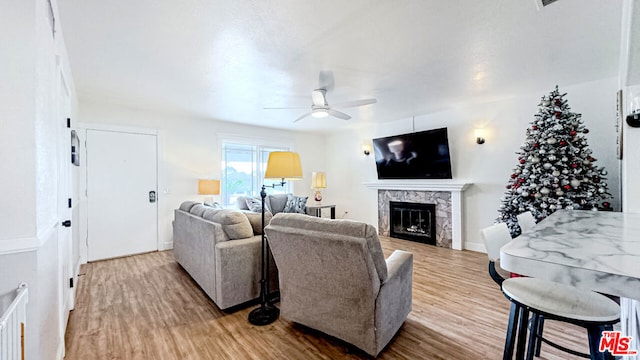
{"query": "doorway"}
(122, 211)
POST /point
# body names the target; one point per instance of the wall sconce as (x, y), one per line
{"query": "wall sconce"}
(479, 136)
(366, 149)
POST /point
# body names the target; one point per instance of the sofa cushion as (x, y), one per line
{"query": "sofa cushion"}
(296, 204)
(198, 209)
(255, 205)
(234, 223)
(255, 219)
(187, 205)
(277, 202)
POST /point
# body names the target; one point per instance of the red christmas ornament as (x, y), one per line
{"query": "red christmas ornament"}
(606, 204)
(574, 165)
(535, 145)
(573, 133)
(567, 187)
(558, 114)
(513, 176)
(558, 102)
(522, 161)
(521, 180)
(563, 143)
(592, 159)
(534, 127)
(508, 186)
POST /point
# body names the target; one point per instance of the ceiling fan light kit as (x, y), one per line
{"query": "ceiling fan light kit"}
(319, 113)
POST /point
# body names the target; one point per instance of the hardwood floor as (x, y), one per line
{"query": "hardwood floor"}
(147, 307)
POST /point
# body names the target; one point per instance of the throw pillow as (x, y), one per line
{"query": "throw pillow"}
(215, 205)
(296, 204)
(255, 205)
(255, 219)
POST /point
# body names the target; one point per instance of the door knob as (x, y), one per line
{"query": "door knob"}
(66, 223)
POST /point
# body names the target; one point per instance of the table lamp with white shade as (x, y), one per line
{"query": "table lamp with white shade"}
(318, 181)
(208, 187)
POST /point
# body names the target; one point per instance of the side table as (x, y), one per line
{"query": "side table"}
(316, 210)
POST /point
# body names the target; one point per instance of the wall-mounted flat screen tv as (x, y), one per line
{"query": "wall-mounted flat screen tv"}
(419, 155)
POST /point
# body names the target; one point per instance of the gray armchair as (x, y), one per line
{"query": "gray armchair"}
(334, 278)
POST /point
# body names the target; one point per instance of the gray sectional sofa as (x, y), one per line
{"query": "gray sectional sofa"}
(220, 249)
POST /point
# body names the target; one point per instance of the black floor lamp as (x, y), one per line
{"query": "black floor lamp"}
(283, 165)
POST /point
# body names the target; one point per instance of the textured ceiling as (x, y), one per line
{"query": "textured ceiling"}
(227, 60)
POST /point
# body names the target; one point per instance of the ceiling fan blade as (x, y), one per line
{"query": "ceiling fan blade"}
(286, 108)
(302, 117)
(325, 80)
(349, 104)
(318, 97)
(338, 114)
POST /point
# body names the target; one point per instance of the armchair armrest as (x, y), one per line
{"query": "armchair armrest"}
(398, 263)
(393, 304)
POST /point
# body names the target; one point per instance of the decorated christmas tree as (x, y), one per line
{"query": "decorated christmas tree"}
(555, 169)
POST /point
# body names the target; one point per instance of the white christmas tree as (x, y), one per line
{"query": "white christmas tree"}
(555, 168)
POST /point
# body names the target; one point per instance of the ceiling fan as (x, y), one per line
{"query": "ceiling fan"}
(320, 107)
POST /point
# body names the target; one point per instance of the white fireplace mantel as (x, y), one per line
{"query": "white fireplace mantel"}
(455, 188)
(421, 185)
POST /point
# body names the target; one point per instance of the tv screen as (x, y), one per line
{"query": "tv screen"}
(419, 155)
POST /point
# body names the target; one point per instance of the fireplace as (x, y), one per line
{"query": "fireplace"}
(413, 221)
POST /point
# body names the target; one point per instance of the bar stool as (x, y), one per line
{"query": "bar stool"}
(526, 220)
(549, 300)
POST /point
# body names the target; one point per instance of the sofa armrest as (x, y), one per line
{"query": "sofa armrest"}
(238, 269)
(394, 298)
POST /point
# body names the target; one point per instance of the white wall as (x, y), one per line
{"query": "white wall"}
(487, 166)
(631, 156)
(189, 149)
(29, 159)
(17, 103)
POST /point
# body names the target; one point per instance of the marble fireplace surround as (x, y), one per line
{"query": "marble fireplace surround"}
(446, 195)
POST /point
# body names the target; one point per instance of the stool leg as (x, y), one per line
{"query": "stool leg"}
(510, 340)
(595, 333)
(522, 333)
(539, 335)
(533, 335)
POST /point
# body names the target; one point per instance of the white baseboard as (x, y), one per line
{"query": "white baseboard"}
(60, 352)
(168, 245)
(474, 246)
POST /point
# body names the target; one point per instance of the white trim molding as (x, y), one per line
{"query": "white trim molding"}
(29, 243)
(455, 188)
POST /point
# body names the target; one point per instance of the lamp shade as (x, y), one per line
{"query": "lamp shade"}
(318, 180)
(208, 187)
(283, 165)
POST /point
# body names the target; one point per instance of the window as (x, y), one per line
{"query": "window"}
(243, 168)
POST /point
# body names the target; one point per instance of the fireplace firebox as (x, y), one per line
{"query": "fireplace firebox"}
(413, 221)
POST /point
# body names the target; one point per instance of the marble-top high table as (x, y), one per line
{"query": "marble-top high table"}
(597, 250)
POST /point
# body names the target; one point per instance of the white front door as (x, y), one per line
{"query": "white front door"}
(121, 194)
